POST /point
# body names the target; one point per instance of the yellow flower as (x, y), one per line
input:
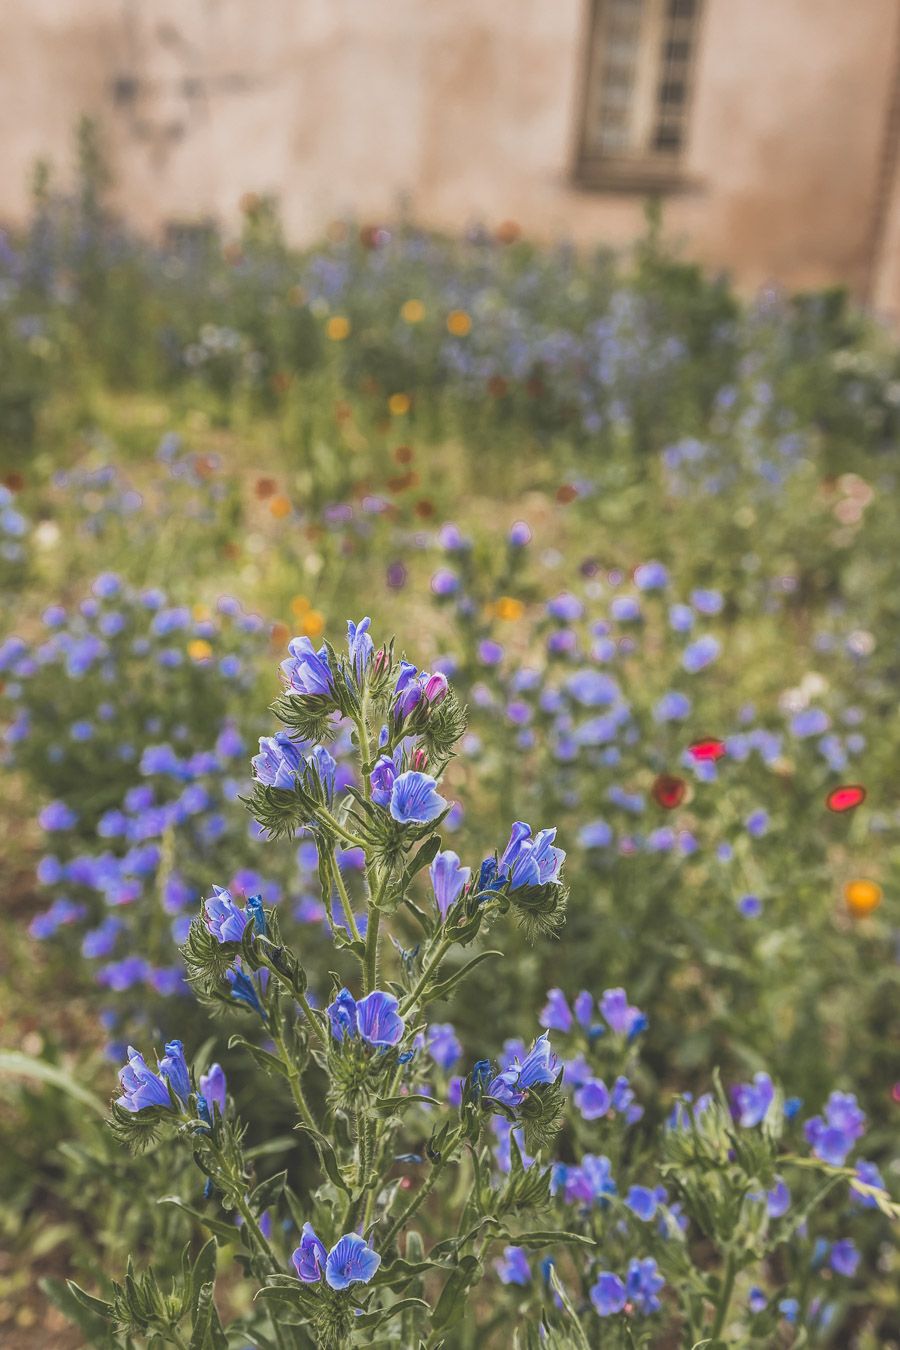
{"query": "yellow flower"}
(299, 606)
(399, 404)
(413, 311)
(862, 897)
(312, 624)
(202, 613)
(459, 323)
(507, 607)
(338, 327)
(199, 649)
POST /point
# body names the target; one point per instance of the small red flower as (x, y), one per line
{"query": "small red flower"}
(668, 791)
(846, 797)
(708, 749)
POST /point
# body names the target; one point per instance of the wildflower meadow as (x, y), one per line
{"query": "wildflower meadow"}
(448, 698)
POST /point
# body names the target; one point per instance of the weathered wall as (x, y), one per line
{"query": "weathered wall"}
(464, 108)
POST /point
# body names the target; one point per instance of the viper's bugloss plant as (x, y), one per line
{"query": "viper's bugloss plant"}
(422, 1168)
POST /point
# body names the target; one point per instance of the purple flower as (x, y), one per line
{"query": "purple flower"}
(383, 777)
(140, 1085)
(778, 1199)
(621, 1016)
(448, 880)
(756, 1300)
(528, 861)
(750, 906)
(642, 1285)
(351, 1261)
(443, 1045)
(173, 1066)
(642, 1202)
(539, 1066)
(844, 1258)
(360, 645)
(593, 1099)
(278, 762)
(681, 618)
(213, 1087)
(57, 816)
(342, 1015)
(307, 671)
(378, 1021)
(513, 1267)
(810, 722)
(415, 799)
(596, 834)
(625, 609)
(752, 1100)
(608, 1294)
(651, 576)
(556, 1014)
(672, 707)
(519, 534)
(833, 1137)
(700, 654)
(707, 602)
(565, 607)
(444, 582)
(224, 919)
(310, 1257)
(869, 1175)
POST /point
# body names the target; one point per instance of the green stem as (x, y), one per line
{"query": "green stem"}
(345, 898)
(293, 1077)
(334, 824)
(404, 1217)
(429, 970)
(725, 1296)
(370, 973)
(311, 1018)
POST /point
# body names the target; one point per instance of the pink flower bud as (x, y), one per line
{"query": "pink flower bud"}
(436, 688)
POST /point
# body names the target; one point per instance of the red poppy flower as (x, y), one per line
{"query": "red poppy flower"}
(845, 797)
(710, 748)
(668, 791)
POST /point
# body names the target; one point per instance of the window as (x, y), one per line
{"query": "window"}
(636, 100)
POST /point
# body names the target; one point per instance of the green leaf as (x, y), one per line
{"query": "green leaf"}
(452, 1303)
(385, 1105)
(203, 1273)
(438, 991)
(549, 1237)
(91, 1315)
(327, 1157)
(268, 1191)
(375, 1319)
(227, 1233)
(13, 1062)
(425, 856)
(269, 1063)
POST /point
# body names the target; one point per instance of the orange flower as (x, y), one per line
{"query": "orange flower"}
(413, 311)
(399, 404)
(338, 327)
(459, 323)
(300, 606)
(862, 897)
(280, 507)
(279, 634)
(199, 649)
(508, 608)
(312, 624)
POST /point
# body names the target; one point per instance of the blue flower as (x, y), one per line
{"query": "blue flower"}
(342, 1015)
(214, 1088)
(539, 1066)
(383, 777)
(833, 1137)
(173, 1066)
(642, 1202)
(278, 762)
(844, 1258)
(513, 1267)
(224, 919)
(378, 1020)
(789, 1309)
(351, 1261)
(443, 1045)
(756, 1300)
(243, 990)
(622, 1017)
(448, 879)
(651, 576)
(57, 816)
(778, 1199)
(415, 799)
(608, 1294)
(810, 722)
(257, 913)
(681, 618)
(556, 1014)
(360, 645)
(528, 861)
(700, 654)
(643, 1283)
(752, 1100)
(307, 671)
(869, 1174)
(310, 1257)
(140, 1085)
(593, 1099)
